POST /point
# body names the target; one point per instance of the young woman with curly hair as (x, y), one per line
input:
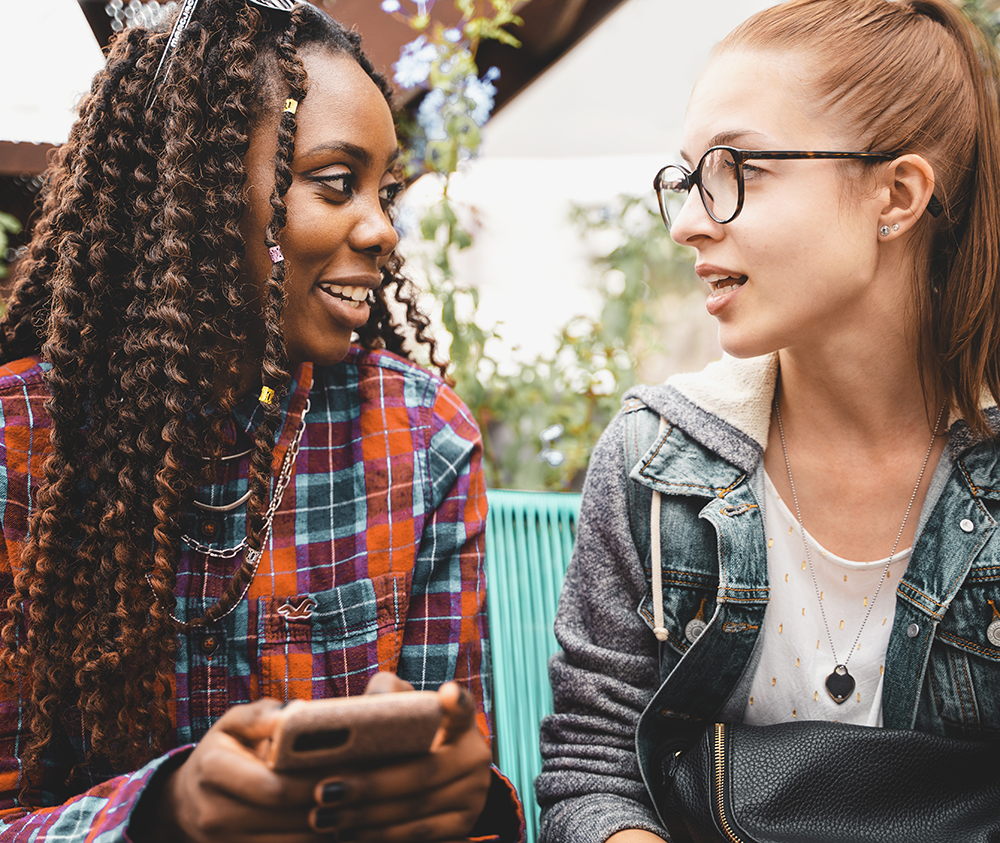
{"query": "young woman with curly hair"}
(225, 484)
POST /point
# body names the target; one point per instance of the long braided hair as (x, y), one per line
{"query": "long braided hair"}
(131, 290)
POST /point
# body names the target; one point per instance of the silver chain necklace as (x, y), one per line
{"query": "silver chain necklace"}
(253, 557)
(840, 684)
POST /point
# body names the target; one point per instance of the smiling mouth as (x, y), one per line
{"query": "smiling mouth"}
(354, 296)
(723, 284)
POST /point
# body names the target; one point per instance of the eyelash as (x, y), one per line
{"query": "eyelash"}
(387, 194)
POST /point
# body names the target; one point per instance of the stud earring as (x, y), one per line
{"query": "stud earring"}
(884, 231)
(895, 226)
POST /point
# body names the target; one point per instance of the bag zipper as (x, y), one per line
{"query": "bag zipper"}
(720, 789)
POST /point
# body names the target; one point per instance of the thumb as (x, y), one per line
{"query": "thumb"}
(459, 713)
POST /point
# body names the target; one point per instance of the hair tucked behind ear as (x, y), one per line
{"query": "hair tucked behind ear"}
(917, 76)
(132, 291)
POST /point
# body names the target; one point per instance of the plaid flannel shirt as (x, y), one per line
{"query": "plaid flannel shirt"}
(375, 562)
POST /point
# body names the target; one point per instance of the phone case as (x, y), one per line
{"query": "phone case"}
(362, 730)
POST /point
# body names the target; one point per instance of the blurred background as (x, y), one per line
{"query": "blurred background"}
(534, 130)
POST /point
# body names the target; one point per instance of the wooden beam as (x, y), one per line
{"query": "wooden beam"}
(18, 158)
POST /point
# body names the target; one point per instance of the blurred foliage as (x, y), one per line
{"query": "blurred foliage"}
(540, 421)
(8, 225)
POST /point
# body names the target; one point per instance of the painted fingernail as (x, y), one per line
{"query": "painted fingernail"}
(334, 792)
(347, 835)
(326, 818)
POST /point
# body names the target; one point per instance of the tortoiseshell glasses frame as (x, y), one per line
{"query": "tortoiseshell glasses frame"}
(716, 171)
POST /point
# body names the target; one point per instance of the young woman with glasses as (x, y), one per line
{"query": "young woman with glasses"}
(804, 532)
(225, 484)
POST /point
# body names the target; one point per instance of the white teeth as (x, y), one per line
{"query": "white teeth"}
(355, 294)
(723, 283)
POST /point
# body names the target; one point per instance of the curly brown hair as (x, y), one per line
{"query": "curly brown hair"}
(131, 290)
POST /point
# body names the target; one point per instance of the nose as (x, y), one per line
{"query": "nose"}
(692, 221)
(373, 231)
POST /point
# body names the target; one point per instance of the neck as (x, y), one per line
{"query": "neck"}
(863, 389)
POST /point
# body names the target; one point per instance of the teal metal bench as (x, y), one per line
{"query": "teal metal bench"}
(529, 540)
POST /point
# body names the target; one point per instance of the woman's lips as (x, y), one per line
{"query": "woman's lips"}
(722, 290)
(344, 307)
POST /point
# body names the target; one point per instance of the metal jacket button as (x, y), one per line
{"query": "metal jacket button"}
(913, 630)
(966, 525)
(695, 627)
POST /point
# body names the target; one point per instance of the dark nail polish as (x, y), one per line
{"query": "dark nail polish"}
(347, 835)
(326, 818)
(334, 792)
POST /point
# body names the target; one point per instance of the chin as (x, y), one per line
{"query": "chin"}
(327, 356)
(743, 347)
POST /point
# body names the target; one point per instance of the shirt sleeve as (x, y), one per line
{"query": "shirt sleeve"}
(590, 786)
(446, 635)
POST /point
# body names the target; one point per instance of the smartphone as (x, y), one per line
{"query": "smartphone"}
(362, 731)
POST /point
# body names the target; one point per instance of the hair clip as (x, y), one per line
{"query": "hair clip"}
(291, 105)
(274, 5)
(183, 19)
(275, 253)
(266, 395)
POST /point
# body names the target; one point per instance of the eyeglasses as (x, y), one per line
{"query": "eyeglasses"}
(719, 177)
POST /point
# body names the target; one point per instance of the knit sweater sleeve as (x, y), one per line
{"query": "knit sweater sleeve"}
(590, 786)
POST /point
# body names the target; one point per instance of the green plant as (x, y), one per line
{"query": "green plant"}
(8, 225)
(540, 422)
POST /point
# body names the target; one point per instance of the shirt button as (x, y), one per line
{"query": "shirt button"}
(913, 630)
(209, 644)
(209, 528)
(966, 525)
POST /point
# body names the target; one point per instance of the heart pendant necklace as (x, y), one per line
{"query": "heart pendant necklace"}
(840, 684)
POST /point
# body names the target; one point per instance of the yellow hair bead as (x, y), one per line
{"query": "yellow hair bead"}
(291, 105)
(266, 395)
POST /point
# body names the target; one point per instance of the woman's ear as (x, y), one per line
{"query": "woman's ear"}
(910, 182)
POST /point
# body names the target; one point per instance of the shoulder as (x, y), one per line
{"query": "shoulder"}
(384, 377)
(725, 408)
(20, 374)
(381, 385)
(23, 392)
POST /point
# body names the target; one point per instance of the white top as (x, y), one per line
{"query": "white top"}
(795, 656)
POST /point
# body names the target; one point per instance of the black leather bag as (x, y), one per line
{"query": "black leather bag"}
(820, 782)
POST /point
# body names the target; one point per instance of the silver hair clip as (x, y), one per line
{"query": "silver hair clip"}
(182, 22)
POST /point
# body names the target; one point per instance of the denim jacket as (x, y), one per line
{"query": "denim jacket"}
(942, 672)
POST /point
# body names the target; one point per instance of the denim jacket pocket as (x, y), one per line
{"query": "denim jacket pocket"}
(688, 604)
(964, 666)
(330, 643)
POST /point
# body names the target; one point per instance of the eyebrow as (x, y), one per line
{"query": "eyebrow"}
(359, 153)
(723, 139)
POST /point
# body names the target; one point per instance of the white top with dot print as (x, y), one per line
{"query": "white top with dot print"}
(795, 655)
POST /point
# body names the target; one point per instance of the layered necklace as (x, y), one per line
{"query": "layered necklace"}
(840, 684)
(251, 559)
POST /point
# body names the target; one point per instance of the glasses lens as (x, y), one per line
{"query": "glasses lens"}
(672, 186)
(719, 187)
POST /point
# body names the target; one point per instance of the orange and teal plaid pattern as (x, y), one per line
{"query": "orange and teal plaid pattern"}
(375, 562)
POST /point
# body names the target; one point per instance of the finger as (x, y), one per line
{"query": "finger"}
(454, 826)
(251, 723)
(459, 796)
(459, 714)
(385, 682)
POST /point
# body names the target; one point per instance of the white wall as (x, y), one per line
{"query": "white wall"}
(599, 123)
(49, 57)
